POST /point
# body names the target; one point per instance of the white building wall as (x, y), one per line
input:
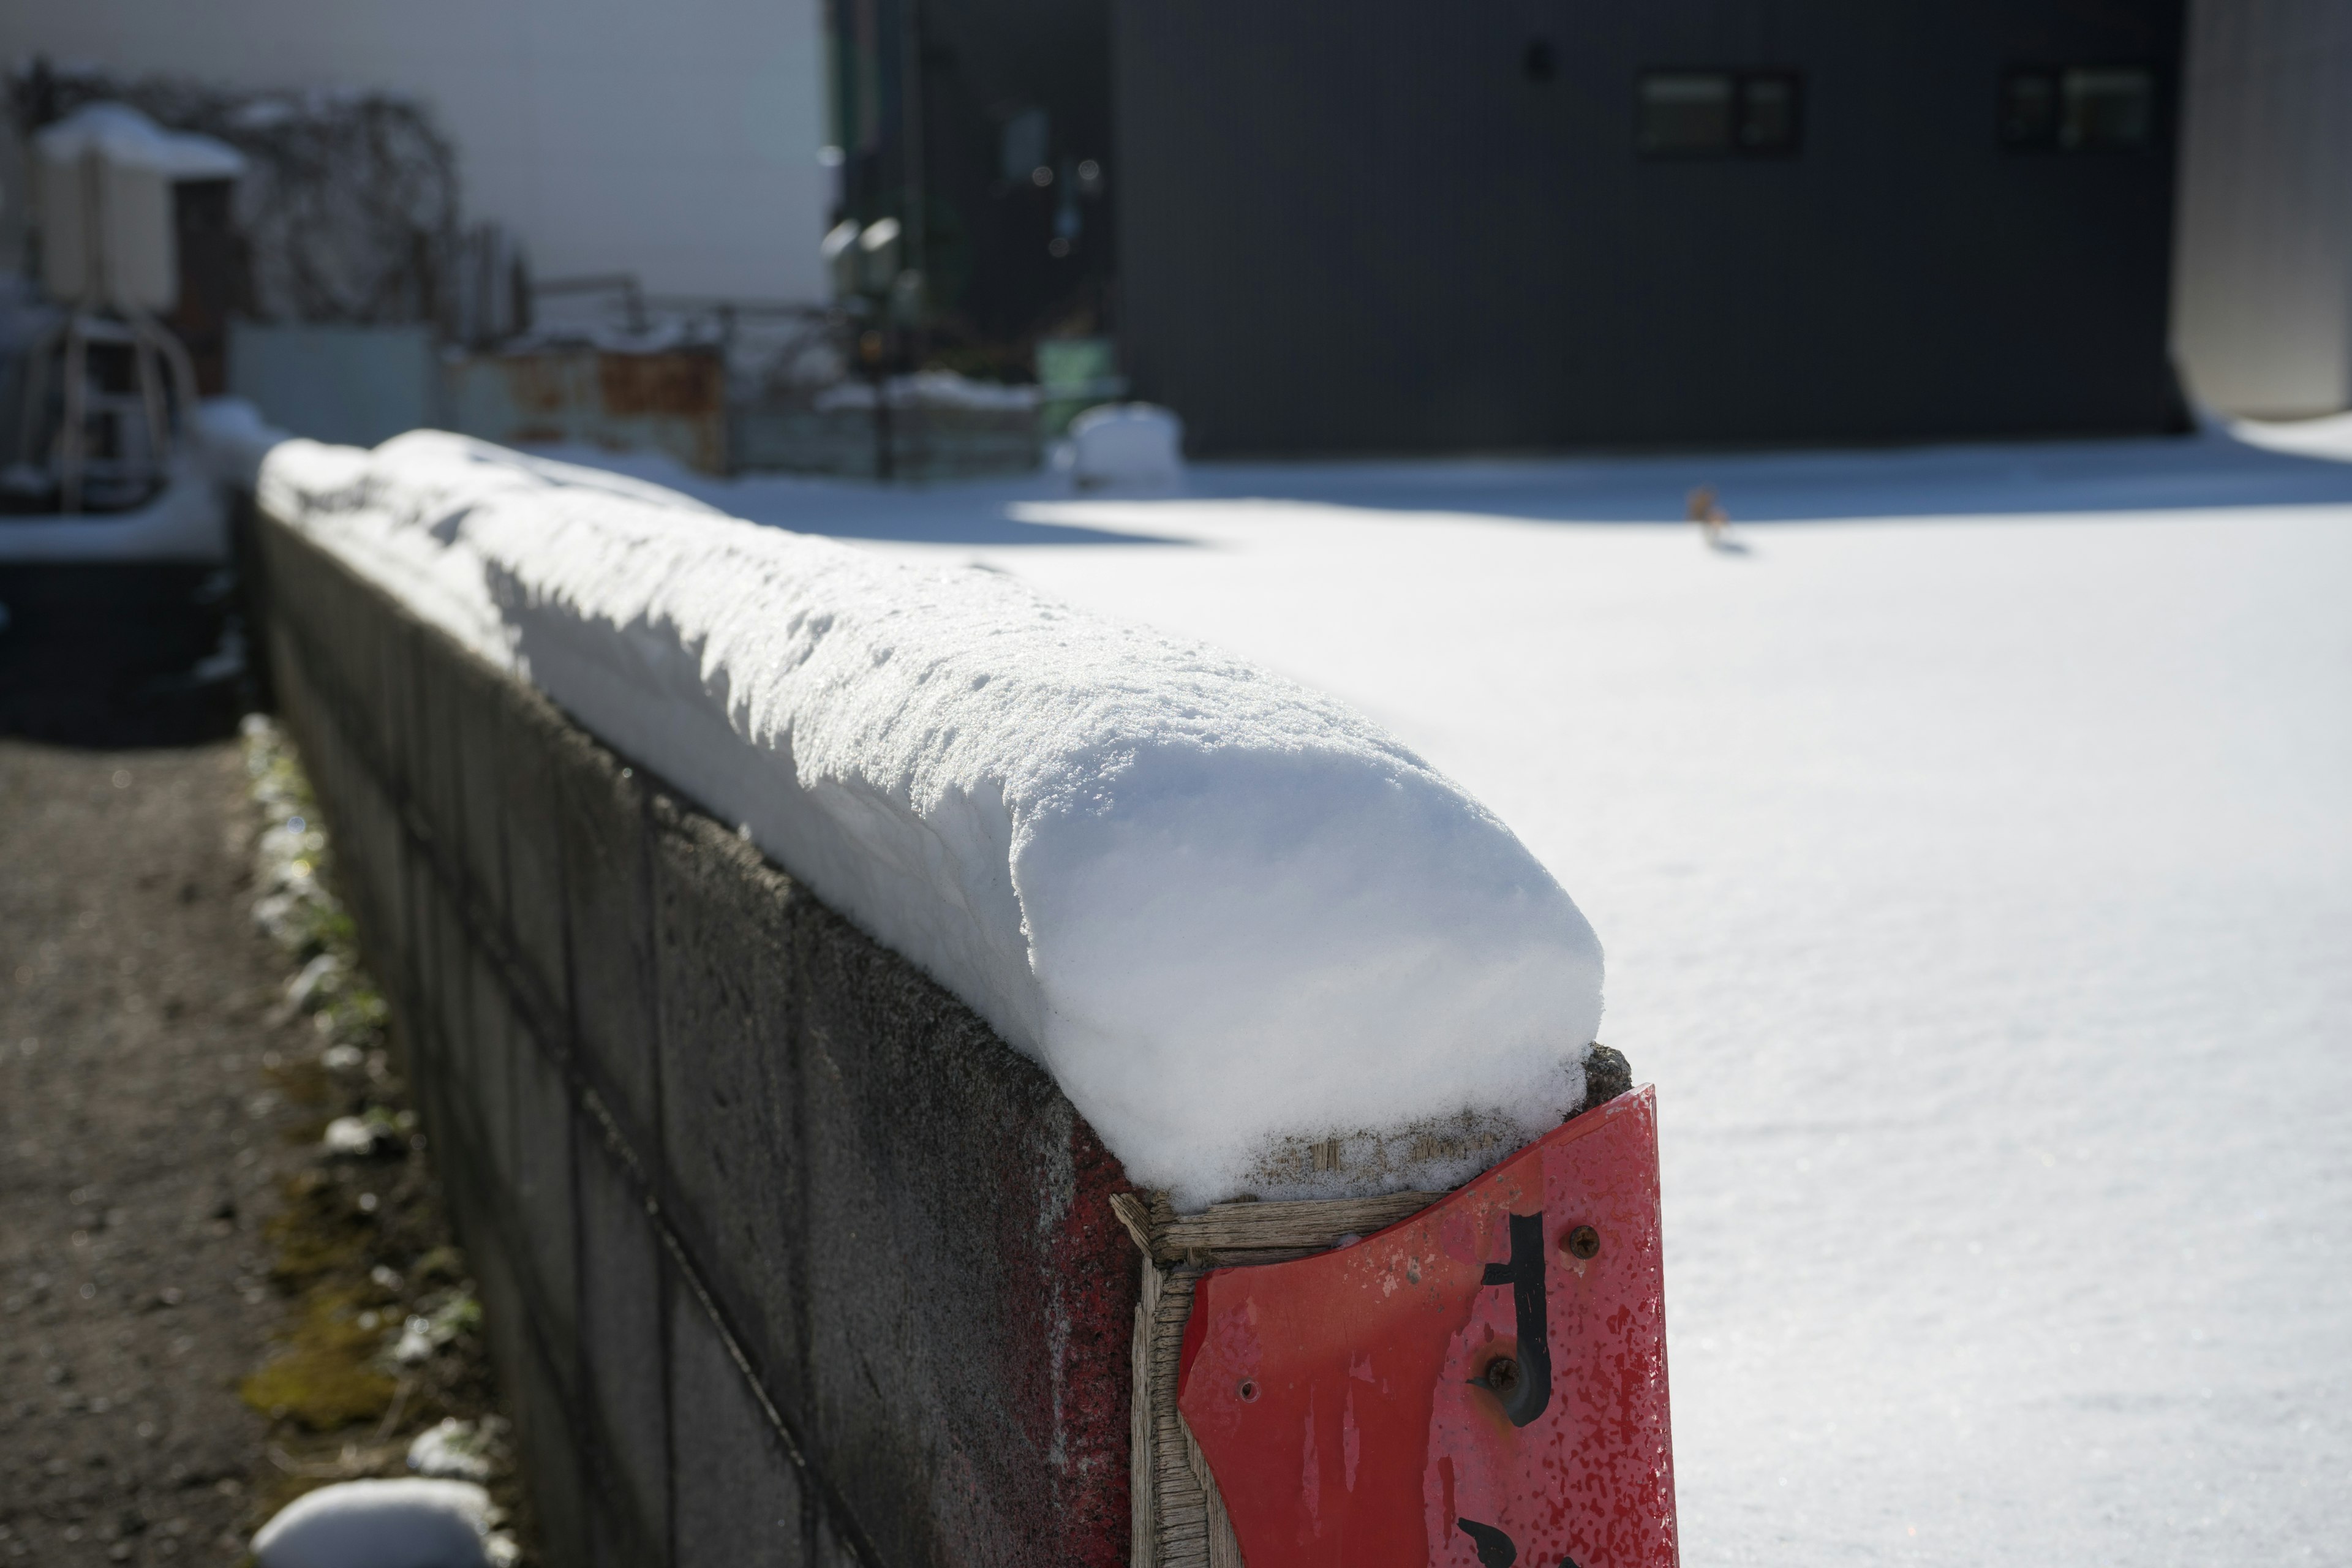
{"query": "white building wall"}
(2262, 285)
(677, 141)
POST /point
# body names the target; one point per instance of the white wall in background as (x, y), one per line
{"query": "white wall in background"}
(2262, 289)
(677, 141)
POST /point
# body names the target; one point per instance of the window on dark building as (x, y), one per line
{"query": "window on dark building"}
(1025, 145)
(2029, 109)
(2080, 108)
(1767, 113)
(1715, 114)
(2105, 109)
(1685, 113)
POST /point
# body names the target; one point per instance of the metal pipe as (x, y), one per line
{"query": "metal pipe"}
(144, 354)
(911, 132)
(176, 357)
(94, 289)
(70, 430)
(37, 395)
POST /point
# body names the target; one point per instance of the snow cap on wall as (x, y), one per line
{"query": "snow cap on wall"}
(1262, 946)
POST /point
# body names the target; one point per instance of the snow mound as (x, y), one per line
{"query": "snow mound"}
(234, 438)
(1234, 919)
(1127, 443)
(403, 1523)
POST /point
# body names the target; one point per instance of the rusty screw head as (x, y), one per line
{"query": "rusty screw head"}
(1583, 1241)
(1502, 1376)
(1248, 1391)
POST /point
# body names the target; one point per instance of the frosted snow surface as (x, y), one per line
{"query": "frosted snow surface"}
(1228, 913)
(1975, 863)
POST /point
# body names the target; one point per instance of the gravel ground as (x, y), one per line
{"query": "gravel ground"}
(199, 1307)
(183, 1242)
(141, 1150)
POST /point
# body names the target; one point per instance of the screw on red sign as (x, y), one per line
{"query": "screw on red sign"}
(1482, 1385)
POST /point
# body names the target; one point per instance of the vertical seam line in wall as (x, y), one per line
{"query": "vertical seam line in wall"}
(648, 957)
(796, 1026)
(496, 951)
(669, 1404)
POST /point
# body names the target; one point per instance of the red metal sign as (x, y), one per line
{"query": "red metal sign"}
(1481, 1385)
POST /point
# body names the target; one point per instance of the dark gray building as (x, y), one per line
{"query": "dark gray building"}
(1384, 224)
(993, 163)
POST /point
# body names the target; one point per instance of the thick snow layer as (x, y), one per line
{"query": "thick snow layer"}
(1230, 915)
(186, 521)
(225, 442)
(404, 1523)
(1977, 872)
(123, 135)
(932, 389)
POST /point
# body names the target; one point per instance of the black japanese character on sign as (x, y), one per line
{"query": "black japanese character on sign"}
(1523, 1384)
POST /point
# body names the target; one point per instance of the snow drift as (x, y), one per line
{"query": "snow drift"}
(398, 1523)
(1125, 443)
(1233, 917)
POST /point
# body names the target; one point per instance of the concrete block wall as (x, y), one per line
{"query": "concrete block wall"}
(785, 1257)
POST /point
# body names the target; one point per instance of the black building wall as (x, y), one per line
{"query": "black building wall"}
(996, 271)
(1368, 225)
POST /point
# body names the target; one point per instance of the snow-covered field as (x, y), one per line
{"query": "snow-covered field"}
(1972, 859)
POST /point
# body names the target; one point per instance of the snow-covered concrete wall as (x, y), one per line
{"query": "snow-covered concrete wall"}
(786, 1256)
(677, 142)
(1233, 917)
(2262, 288)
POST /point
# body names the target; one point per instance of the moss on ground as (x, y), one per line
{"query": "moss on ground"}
(326, 1377)
(383, 1338)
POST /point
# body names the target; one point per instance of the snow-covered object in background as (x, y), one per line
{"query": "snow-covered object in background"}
(186, 521)
(108, 170)
(234, 438)
(1230, 915)
(1137, 444)
(121, 134)
(404, 1523)
(348, 199)
(931, 389)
